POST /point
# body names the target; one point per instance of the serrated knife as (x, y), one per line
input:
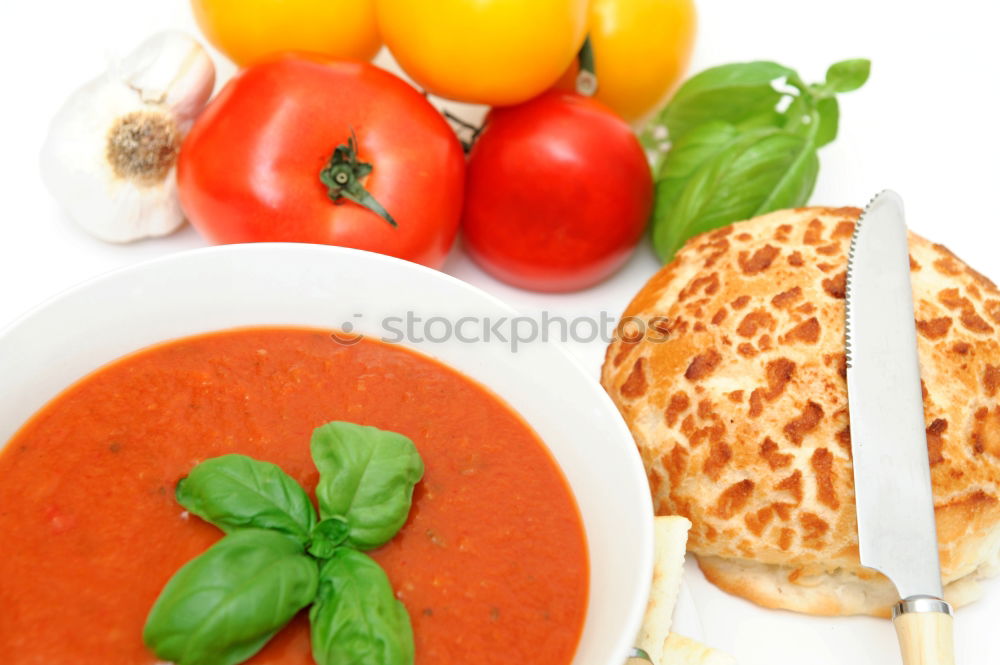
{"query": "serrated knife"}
(896, 531)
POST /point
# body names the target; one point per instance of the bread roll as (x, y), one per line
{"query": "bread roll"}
(731, 376)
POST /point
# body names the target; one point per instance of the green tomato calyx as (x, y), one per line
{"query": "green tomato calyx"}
(343, 174)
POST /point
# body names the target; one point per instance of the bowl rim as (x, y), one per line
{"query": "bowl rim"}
(643, 551)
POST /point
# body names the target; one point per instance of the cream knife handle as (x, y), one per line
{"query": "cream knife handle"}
(923, 626)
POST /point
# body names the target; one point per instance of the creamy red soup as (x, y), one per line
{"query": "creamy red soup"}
(491, 565)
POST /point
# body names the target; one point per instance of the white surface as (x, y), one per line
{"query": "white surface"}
(925, 124)
(686, 620)
(313, 285)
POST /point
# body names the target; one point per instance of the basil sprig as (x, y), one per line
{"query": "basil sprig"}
(740, 146)
(223, 606)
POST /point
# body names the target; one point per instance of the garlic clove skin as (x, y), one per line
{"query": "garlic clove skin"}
(110, 155)
(171, 69)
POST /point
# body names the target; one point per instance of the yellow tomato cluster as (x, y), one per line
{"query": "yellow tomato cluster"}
(496, 52)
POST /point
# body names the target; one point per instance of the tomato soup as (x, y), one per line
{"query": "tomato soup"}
(491, 564)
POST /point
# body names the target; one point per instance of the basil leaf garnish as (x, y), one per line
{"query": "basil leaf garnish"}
(356, 617)
(236, 491)
(366, 477)
(223, 606)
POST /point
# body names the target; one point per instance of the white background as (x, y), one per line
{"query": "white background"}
(927, 124)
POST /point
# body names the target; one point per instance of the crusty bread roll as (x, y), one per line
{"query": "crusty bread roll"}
(737, 398)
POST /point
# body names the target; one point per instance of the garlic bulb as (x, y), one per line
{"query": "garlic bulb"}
(110, 154)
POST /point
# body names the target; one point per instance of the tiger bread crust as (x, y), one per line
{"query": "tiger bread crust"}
(736, 395)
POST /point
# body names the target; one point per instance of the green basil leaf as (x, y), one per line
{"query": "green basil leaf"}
(828, 111)
(366, 476)
(730, 93)
(224, 605)
(760, 171)
(690, 152)
(356, 618)
(787, 172)
(848, 75)
(236, 491)
(764, 119)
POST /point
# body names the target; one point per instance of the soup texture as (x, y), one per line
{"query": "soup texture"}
(491, 564)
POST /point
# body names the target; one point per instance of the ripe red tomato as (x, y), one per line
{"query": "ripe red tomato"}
(558, 192)
(250, 169)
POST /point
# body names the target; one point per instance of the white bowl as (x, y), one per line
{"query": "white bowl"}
(269, 284)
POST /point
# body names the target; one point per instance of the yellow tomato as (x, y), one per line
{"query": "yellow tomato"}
(496, 52)
(249, 30)
(641, 51)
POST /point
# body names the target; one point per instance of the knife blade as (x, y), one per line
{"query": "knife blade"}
(895, 507)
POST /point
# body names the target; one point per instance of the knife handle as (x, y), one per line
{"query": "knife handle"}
(924, 628)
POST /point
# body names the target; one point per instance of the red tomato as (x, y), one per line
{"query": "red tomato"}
(249, 171)
(558, 192)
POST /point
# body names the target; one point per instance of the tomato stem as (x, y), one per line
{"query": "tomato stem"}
(586, 78)
(342, 176)
(474, 130)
